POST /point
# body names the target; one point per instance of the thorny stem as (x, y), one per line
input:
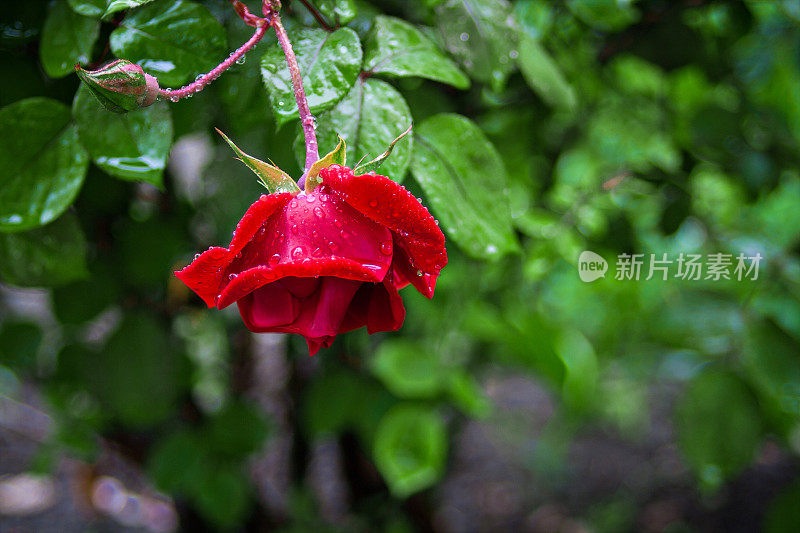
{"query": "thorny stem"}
(176, 94)
(306, 118)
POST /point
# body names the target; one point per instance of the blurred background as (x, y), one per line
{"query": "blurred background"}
(520, 397)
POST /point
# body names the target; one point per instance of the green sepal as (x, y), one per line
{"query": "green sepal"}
(369, 166)
(336, 157)
(273, 178)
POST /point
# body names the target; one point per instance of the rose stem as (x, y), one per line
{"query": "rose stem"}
(306, 118)
(176, 94)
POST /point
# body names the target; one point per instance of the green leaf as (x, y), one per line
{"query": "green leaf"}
(44, 257)
(120, 5)
(605, 15)
(42, 164)
(397, 48)
(273, 178)
(67, 39)
(543, 75)
(719, 428)
(329, 64)
(772, 362)
(133, 146)
(481, 35)
(373, 165)
(88, 8)
(369, 119)
(465, 181)
(410, 448)
(466, 394)
(337, 156)
(581, 373)
(407, 370)
(174, 41)
(339, 12)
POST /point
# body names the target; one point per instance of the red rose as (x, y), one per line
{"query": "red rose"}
(325, 262)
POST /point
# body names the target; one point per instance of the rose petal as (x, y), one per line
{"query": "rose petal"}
(206, 275)
(391, 205)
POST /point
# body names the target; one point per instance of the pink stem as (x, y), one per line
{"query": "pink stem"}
(306, 118)
(176, 94)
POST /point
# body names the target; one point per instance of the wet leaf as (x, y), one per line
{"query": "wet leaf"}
(396, 48)
(42, 165)
(133, 146)
(481, 35)
(44, 257)
(465, 181)
(88, 8)
(174, 41)
(120, 5)
(329, 64)
(371, 116)
(67, 39)
(337, 12)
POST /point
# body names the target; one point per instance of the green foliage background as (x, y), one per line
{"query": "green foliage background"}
(541, 129)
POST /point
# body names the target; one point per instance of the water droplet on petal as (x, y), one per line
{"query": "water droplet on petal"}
(319, 213)
(262, 197)
(373, 203)
(316, 253)
(386, 247)
(464, 36)
(332, 245)
(295, 229)
(274, 260)
(233, 276)
(298, 252)
(196, 256)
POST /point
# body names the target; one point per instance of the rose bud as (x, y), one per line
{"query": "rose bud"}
(121, 86)
(326, 261)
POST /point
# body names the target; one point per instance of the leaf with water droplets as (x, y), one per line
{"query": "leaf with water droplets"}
(339, 12)
(174, 41)
(368, 119)
(465, 181)
(397, 48)
(133, 146)
(42, 164)
(273, 178)
(329, 63)
(67, 39)
(115, 6)
(337, 156)
(481, 35)
(49, 256)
